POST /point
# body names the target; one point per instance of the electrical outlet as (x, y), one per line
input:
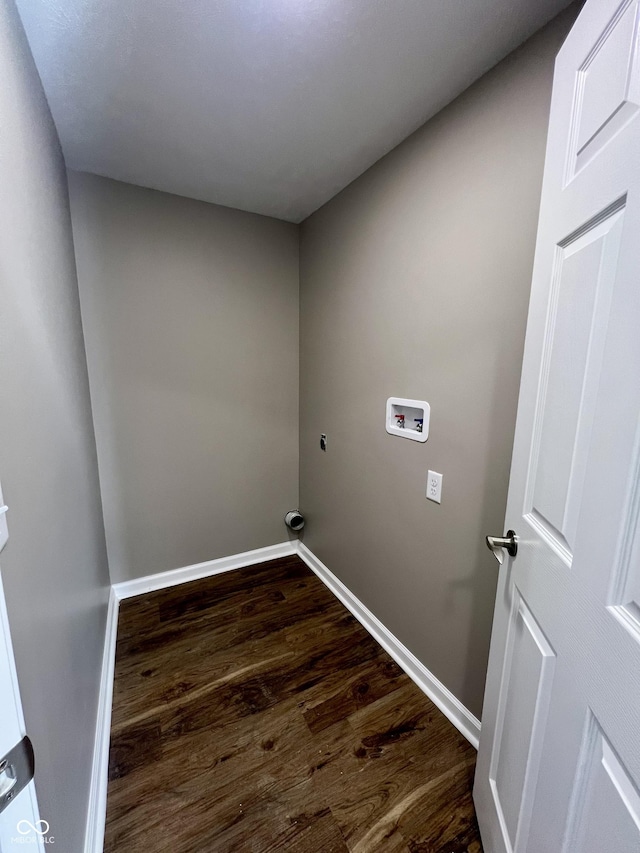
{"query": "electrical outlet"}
(434, 486)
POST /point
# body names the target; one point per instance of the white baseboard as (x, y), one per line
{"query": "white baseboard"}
(97, 812)
(452, 708)
(163, 580)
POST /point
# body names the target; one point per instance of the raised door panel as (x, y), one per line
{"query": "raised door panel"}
(605, 812)
(583, 280)
(626, 592)
(607, 90)
(521, 719)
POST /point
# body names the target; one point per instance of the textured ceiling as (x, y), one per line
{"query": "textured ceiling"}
(271, 106)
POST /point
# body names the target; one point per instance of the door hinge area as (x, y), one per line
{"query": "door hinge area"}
(16, 771)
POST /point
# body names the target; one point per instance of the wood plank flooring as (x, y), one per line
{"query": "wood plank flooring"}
(252, 712)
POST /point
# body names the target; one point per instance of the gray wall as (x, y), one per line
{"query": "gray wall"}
(190, 314)
(415, 283)
(54, 567)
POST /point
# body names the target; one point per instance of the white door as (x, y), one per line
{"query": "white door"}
(559, 761)
(19, 821)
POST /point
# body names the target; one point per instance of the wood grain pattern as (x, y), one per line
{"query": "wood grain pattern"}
(252, 712)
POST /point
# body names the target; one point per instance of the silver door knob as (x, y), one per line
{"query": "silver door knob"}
(498, 544)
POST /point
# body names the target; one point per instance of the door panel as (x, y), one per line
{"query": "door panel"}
(583, 277)
(559, 761)
(626, 587)
(525, 694)
(602, 787)
(607, 94)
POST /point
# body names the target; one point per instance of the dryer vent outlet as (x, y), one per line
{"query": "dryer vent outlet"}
(294, 520)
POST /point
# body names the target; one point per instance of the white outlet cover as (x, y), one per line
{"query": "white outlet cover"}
(434, 487)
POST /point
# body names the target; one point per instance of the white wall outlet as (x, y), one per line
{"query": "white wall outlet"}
(434, 486)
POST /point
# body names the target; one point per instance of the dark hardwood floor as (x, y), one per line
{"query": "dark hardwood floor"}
(252, 712)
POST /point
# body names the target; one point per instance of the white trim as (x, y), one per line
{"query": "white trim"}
(162, 580)
(452, 708)
(97, 812)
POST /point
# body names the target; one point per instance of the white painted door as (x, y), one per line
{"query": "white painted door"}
(19, 822)
(559, 760)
